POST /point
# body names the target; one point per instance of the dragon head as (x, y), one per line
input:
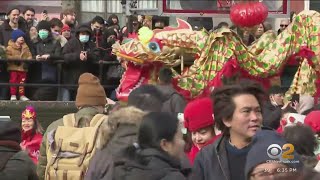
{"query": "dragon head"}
(145, 54)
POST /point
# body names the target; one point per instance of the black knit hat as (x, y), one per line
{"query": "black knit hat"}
(264, 143)
(44, 25)
(10, 131)
(276, 90)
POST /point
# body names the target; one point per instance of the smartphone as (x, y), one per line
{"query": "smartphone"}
(295, 97)
(45, 12)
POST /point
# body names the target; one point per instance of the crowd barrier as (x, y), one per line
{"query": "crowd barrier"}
(59, 64)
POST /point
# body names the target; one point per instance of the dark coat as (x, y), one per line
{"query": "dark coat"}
(19, 166)
(174, 102)
(46, 70)
(128, 120)
(74, 67)
(6, 30)
(156, 165)
(271, 115)
(212, 162)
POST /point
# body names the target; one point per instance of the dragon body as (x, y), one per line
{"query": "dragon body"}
(219, 54)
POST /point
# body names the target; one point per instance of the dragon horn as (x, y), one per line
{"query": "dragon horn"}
(182, 24)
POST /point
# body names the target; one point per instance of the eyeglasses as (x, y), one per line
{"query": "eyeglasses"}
(283, 25)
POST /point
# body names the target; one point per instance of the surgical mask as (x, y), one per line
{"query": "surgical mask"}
(43, 34)
(55, 35)
(84, 38)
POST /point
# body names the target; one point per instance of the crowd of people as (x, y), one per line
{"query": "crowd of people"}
(80, 46)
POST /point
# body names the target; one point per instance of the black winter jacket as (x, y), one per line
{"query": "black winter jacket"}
(159, 165)
(212, 162)
(19, 166)
(47, 70)
(6, 30)
(271, 115)
(73, 66)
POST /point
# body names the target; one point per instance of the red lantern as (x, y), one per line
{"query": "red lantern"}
(248, 14)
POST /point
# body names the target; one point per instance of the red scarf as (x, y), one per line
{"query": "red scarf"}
(194, 150)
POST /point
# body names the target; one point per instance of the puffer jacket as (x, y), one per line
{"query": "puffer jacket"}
(82, 115)
(19, 166)
(14, 52)
(127, 121)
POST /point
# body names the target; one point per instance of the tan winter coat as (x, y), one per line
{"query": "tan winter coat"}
(14, 52)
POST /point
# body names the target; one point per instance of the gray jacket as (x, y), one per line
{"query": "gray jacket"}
(175, 103)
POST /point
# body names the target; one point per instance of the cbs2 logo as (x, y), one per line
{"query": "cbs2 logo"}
(275, 151)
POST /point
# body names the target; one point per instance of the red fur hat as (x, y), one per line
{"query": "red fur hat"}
(198, 114)
(313, 120)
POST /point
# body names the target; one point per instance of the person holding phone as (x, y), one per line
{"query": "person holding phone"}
(79, 53)
(44, 16)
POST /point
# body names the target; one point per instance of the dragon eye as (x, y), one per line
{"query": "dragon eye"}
(154, 46)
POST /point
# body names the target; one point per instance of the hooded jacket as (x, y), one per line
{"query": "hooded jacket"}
(14, 52)
(127, 121)
(174, 102)
(73, 66)
(156, 165)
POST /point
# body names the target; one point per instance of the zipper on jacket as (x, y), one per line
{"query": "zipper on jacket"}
(224, 173)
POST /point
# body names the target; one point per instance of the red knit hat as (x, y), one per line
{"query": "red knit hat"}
(198, 114)
(65, 28)
(313, 120)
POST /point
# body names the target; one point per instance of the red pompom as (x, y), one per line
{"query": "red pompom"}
(292, 119)
(283, 122)
(248, 14)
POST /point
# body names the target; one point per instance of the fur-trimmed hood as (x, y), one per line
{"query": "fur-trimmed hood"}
(127, 115)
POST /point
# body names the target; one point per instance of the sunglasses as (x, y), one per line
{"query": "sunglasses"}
(283, 25)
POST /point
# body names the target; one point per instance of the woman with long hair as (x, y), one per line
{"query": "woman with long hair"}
(159, 150)
(31, 132)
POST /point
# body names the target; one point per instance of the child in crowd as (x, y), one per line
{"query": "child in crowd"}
(18, 49)
(31, 133)
(199, 122)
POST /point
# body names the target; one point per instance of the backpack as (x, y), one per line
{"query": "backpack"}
(69, 156)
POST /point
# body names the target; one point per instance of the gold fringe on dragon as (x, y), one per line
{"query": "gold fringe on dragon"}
(221, 54)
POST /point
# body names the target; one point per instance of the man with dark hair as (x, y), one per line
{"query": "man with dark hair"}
(273, 108)
(97, 25)
(56, 26)
(174, 102)
(29, 17)
(146, 98)
(237, 113)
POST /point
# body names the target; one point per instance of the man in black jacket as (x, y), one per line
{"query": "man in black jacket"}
(272, 110)
(237, 113)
